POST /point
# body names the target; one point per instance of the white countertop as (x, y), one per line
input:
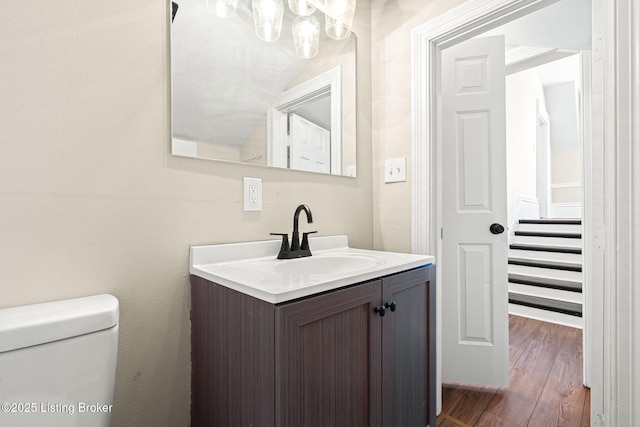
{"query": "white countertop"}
(252, 267)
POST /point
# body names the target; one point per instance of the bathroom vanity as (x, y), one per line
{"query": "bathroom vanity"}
(343, 338)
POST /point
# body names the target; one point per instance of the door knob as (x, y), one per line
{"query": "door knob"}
(496, 228)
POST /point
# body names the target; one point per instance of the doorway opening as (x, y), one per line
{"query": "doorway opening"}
(544, 187)
(544, 284)
(468, 20)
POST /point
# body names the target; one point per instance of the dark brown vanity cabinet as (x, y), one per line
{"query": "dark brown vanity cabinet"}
(326, 360)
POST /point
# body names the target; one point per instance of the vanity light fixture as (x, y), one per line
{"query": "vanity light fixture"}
(223, 8)
(306, 35)
(338, 29)
(338, 16)
(301, 7)
(267, 17)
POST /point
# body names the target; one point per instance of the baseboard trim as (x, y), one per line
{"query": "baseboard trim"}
(546, 316)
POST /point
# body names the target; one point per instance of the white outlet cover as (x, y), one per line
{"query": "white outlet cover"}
(252, 194)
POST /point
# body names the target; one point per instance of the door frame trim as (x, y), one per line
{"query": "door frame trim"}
(467, 20)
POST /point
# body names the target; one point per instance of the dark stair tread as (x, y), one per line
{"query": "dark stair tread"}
(564, 307)
(538, 248)
(555, 265)
(567, 221)
(545, 282)
(566, 235)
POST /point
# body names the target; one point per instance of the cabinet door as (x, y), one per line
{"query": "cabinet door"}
(232, 357)
(408, 362)
(328, 351)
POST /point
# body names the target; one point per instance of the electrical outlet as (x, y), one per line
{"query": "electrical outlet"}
(395, 170)
(252, 194)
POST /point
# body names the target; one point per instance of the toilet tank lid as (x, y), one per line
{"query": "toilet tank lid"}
(35, 324)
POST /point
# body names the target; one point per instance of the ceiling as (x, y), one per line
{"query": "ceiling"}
(565, 25)
(224, 78)
(562, 70)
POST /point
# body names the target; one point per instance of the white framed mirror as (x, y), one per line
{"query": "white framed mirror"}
(228, 85)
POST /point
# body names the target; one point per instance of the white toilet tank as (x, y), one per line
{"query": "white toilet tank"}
(58, 363)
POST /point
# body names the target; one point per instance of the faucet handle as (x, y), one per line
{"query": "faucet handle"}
(305, 240)
(285, 242)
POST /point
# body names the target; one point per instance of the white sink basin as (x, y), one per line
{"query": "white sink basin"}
(328, 264)
(252, 267)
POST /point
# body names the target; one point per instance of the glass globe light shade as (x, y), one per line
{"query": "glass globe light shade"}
(301, 7)
(306, 35)
(267, 17)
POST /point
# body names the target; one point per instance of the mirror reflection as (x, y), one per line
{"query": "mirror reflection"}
(236, 97)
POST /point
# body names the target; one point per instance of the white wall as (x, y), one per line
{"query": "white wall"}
(566, 143)
(566, 176)
(523, 91)
(391, 25)
(562, 105)
(92, 202)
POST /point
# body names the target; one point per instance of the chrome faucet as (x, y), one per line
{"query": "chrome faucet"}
(297, 249)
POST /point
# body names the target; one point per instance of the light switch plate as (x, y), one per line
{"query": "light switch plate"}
(395, 170)
(252, 194)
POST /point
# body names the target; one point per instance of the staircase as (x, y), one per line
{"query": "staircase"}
(545, 271)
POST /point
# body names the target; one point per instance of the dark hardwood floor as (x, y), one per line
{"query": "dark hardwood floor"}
(545, 383)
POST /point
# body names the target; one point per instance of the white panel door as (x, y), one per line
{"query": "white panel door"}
(475, 329)
(310, 146)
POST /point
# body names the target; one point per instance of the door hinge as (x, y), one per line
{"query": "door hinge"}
(288, 124)
(441, 233)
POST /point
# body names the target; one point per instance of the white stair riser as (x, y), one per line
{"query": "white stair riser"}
(574, 276)
(546, 256)
(547, 316)
(548, 241)
(551, 228)
(537, 291)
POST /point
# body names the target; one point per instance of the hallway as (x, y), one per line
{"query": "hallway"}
(546, 383)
